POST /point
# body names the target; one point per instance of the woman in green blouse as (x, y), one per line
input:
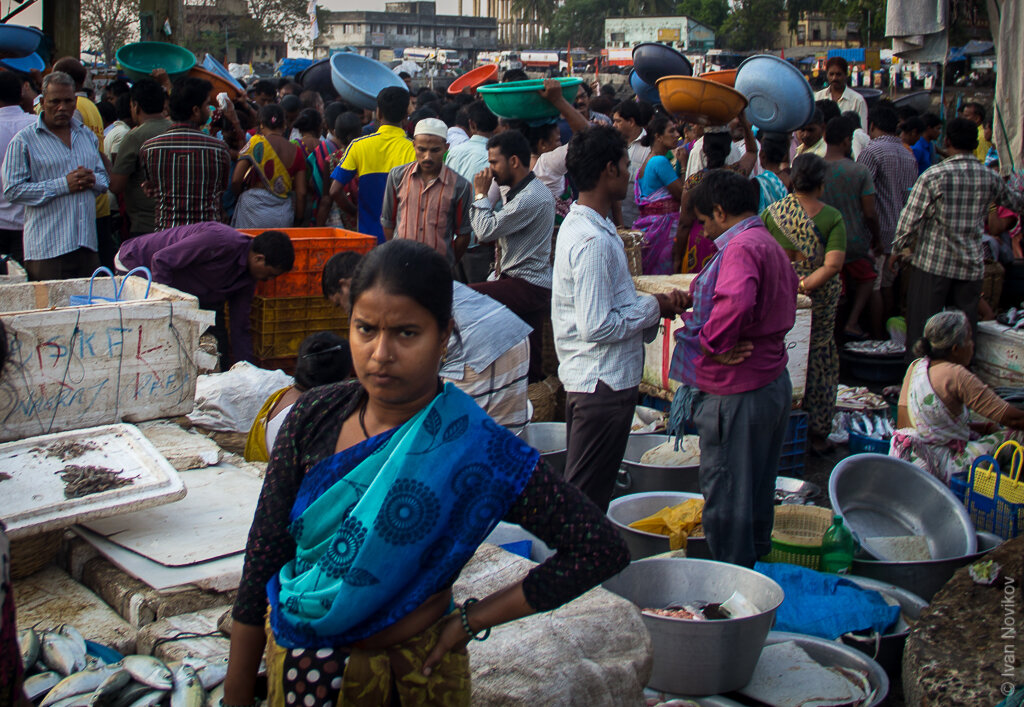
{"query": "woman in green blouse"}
(814, 237)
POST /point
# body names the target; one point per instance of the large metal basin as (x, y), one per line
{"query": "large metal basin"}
(926, 577)
(548, 438)
(699, 657)
(832, 654)
(635, 477)
(881, 496)
(887, 649)
(626, 509)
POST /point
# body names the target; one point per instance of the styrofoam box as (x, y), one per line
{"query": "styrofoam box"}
(75, 367)
(14, 273)
(658, 354)
(999, 355)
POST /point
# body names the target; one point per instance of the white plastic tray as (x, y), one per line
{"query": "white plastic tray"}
(33, 498)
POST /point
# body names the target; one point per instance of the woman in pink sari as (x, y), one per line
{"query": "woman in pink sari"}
(657, 193)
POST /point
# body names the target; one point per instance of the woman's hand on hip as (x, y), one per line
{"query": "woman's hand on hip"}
(453, 637)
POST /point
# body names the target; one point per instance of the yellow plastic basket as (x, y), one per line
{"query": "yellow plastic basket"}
(1011, 488)
(797, 534)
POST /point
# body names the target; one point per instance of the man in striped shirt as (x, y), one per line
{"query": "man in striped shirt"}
(53, 167)
(427, 202)
(187, 170)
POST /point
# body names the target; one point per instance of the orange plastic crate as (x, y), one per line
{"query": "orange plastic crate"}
(313, 248)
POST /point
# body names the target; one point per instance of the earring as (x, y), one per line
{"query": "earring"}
(444, 354)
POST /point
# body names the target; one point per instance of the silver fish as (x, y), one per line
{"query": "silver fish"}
(85, 681)
(28, 644)
(150, 699)
(111, 687)
(132, 692)
(212, 673)
(75, 701)
(76, 638)
(188, 690)
(38, 685)
(59, 653)
(149, 671)
(215, 696)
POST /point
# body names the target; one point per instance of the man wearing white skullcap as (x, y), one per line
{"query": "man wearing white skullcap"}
(424, 200)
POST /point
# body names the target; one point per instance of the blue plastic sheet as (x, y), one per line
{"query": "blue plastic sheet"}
(826, 605)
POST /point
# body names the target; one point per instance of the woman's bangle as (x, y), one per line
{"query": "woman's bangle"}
(463, 614)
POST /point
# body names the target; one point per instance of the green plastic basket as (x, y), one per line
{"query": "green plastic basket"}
(797, 534)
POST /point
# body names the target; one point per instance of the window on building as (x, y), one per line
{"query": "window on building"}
(816, 34)
(801, 35)
(618, 36)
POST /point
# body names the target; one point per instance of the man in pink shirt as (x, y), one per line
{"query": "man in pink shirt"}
(731, 358)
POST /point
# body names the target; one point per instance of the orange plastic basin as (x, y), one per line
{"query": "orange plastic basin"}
(313, 248)
(726, 78)
(699, 100)
(472, 79)
(220, 84)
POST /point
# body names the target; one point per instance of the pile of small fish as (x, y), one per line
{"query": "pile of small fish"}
(888, 347)
(873, 426)
(60, 673)
(85, 480)
(66, 450)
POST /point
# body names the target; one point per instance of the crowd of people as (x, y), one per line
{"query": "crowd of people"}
(489, 228)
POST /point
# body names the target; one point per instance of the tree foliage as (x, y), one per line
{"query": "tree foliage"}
(110, 24)
(582, 22)
(752, 25)
(711, 13)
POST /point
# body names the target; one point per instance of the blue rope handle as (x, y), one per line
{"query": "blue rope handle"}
(141, 269)
(97, 271)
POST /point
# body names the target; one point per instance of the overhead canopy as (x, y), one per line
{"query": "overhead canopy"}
(972, 48)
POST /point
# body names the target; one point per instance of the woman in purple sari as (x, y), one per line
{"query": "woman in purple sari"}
(657, 193)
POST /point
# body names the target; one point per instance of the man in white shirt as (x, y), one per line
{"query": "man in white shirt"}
(598, 319)
(836, 71)
(12, 120)
(628, 120)
(697, 160)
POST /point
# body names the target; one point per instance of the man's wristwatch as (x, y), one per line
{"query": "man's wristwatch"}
(479, 195)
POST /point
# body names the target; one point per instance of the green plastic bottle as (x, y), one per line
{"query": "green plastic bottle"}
(837, 548)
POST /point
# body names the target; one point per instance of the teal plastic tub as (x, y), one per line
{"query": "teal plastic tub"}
(520, 100)
(139, 59)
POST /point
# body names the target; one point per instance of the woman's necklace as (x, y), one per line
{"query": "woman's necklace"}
(362, 418)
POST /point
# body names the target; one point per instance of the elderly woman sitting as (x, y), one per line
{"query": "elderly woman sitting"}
(938, 396)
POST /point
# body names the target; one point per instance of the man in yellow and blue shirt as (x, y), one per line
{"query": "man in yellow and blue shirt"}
(370, 159)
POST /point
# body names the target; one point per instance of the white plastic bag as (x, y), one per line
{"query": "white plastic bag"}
(229, 401)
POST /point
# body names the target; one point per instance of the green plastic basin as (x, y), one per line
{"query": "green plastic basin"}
(139, 59)
(520, 100)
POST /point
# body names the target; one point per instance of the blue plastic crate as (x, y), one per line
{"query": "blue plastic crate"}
(794, 449)
(862, 444)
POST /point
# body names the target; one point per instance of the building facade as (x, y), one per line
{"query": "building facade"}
(683, 33)
(403, 25)
(815, 29)
(224, 29)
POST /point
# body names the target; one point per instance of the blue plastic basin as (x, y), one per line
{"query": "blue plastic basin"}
(358, 79)
(25, 64)
(18, 40)
(779, 97)
(211, 64)
(643, 90)
(651, 61)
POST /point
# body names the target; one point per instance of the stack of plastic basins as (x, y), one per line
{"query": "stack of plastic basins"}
(289, 308)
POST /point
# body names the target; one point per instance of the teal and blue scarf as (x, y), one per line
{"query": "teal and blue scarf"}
(382, 526)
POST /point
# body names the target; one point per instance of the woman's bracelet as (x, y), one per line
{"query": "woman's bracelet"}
(463, 614)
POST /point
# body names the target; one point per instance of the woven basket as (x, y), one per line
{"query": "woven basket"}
(543, 396)
(31, 554)
(633, 242)
(797, 534)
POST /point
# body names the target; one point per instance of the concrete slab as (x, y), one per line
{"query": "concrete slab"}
(182, 448)
(191, 635)
(52, 597)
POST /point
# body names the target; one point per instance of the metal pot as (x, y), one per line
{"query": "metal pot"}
(926, 577)
(699, 657)
(549, 439)
(887, 649)
(881, 496)
(627, 509)
(832, 654)
(635, 477)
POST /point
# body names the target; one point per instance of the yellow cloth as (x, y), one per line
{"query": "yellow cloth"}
(268, 165)
(92, 120)
(369, 675)
(981, 151)
(677, 522)
(256, 443)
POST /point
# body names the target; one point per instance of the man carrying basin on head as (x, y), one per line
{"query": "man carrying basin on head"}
(217, 264)
(731, 359)
(371, 158)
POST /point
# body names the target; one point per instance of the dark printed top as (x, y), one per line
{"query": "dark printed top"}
(588, 548)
